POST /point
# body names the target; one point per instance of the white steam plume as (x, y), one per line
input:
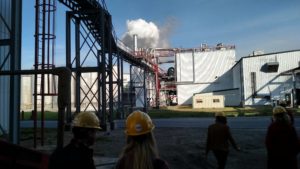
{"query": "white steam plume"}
(148, 34)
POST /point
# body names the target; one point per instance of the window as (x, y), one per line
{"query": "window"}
(216, 100)
(199, 101)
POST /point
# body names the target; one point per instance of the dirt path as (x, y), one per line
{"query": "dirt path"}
(183, 148)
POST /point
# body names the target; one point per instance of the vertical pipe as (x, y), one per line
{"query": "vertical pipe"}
(99, 82)
(15, 63)
(135, 43)
(53, 50)
(68, 40)
(156, 84)
(68, 57)
(131, 89)
(145, 90)
(77, 58)
(294, 91)
(122, 87)
(119, 86)
(42, 86)
(53, 31)
(103, 71)
(36, 55)
(103, 90)
(48, 44)
(111, 95)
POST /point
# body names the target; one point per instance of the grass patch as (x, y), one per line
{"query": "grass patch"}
(188, 111)
(48, 115)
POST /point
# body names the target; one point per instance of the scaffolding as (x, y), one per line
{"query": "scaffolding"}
(91, 46)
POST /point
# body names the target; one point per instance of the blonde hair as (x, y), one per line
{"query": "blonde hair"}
(141, 150)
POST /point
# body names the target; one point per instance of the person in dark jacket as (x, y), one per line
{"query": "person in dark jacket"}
(140, 151)
(218, 138)
(282, 142)
(77, 154)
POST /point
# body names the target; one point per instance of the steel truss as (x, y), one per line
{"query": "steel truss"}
(138, 87)
(93, 49)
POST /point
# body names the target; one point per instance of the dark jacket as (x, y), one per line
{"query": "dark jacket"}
(282, 146)
(218, 138)
(73, 156)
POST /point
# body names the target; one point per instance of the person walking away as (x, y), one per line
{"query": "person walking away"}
(218, 138)
(289, 111)
(140, 151)
(77, 154)
(282, 142)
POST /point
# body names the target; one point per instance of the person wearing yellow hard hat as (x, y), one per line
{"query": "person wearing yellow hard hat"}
(282, 142)
(218, 139)
(78, 154)
(140, 151)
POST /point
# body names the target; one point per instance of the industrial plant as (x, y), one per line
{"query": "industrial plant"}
(93, 77)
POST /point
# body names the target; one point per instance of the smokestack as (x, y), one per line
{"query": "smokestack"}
(135, 42)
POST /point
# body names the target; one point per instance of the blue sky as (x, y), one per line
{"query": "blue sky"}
(268, 25)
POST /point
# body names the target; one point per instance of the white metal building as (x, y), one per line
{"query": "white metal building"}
(202, 71)
(260, 79)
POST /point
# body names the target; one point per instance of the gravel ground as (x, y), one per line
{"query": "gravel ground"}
(182, 148)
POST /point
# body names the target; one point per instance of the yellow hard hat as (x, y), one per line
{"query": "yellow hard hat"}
(220, 114)
(278, 110)
(86, 120)
(138, 123)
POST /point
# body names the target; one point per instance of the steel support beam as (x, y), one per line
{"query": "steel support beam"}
(110, 79)
(5, 42)
(68, 60)
(121, 87)
(145, 91)
(15, 63)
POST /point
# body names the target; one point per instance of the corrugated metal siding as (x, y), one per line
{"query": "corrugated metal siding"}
(212, 65)
(5, 10)
(203, 72)
(268, 83)
(184, 67)
(4, 102)
(185, 92)
(236, 71)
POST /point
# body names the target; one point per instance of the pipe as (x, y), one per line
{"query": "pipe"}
(63, 100)
(135, 43)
